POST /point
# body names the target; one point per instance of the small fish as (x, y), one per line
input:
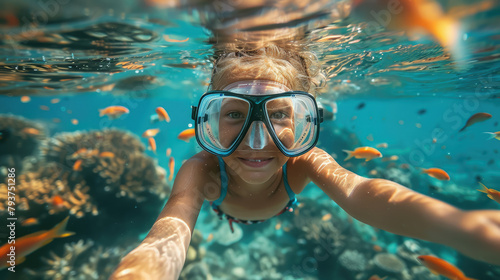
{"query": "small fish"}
(150, 132)
(210, 237)
(169, 152)
(437, 173)
(186, 134)
(107, 154)
(113, 112)
(57, 201)
(377, 248)
(495, 135)
(25, 99)
(30, 222)
(152, 144)
(368, 153)
(4, 134)
(162, 114)
(361, 106)
(171, 166)
(31, 130)
(277, 226)
(29, 243)
(492, 193)
(441, 267)
(168, 39)
(478, 117)
(376, 277)
(422, 111)
(44, 108)
(77, 166)
(74, 121)
(326, 217)
(382, 145)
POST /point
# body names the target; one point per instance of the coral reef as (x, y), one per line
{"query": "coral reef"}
(19, 142)
(112, 159)
(389, 264)
(353, 260)
(46, 192)
(225, 237)
(80, 260)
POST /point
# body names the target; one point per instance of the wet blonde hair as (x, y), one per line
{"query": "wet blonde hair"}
(298, 70)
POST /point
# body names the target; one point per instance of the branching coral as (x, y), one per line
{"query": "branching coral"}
(389, 264)
(80, 260)
(47, 191)
(111, 161)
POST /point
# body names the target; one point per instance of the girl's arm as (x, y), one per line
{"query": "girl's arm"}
(162, 253)
(389, 206)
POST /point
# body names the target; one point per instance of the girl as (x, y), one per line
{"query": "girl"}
(258, 129)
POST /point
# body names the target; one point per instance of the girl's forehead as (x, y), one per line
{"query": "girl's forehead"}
(256, 87)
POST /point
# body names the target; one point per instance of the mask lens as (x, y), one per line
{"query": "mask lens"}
(222, 119)
(293, 121)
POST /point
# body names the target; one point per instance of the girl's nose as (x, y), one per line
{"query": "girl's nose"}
(257, 136)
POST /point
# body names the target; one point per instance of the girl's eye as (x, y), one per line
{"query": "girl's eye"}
(278, 115)
(235, 115)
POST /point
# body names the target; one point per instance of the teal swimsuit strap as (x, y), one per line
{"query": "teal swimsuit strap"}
(291, 194)
(223, 179)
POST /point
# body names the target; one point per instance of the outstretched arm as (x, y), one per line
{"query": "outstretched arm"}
(162, 253)
(389, 206)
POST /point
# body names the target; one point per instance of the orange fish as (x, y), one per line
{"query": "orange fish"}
(31, 130)
(441, 267)
(74, 121)
(30, 222)
(150, 132)
(174, 40)
(162, 114)
(437, 173)
(77, 166)
(186, 134)
(29, 243)
(171, 166)
(210, 237)
(57, 201)
(368, 153)
(107, 154)
(495, 135)
(169, 152)
(413, 16)
(113, 112)
(478, 117)
(25, 99)
(326, 217)
(376, 277)
(492, 193)
(152, 144)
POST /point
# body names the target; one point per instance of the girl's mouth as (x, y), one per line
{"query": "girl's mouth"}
(256, 162)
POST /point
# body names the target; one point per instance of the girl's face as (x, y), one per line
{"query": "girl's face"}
(257, 158)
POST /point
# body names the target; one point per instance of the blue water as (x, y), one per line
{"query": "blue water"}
(394, 78)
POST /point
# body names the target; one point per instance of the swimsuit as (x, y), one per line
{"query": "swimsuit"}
(223, 176)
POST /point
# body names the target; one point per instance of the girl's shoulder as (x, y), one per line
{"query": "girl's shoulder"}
(205, 168)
